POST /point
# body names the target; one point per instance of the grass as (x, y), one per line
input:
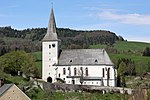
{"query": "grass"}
(140, 61)
(123, 45)
(38, 94)
(38, 62)
(38, 55)
(18, 80)
(136, 47)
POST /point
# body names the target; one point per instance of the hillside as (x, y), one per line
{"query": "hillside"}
(13, 39)
(128, 50)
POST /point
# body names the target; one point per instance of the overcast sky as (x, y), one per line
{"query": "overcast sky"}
(128, 18)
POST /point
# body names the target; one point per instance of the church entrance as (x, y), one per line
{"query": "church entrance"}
(49, 79)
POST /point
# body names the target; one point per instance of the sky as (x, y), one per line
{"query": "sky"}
(127, 18)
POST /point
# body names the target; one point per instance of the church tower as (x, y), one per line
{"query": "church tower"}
(50, 48)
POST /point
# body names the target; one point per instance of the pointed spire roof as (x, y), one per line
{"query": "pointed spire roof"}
(51, 30)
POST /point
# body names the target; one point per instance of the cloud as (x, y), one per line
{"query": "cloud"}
(134, 19)
(102, 26)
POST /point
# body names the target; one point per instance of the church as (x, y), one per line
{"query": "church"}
(74, 66)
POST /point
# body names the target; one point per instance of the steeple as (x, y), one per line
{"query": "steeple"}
(51, 30)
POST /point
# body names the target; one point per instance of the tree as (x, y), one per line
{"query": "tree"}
(18, 61)
(146, 52)
(121, 72)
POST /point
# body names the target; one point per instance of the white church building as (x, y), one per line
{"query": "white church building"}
(74, 66)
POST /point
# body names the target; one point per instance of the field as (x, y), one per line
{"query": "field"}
(135, 54)
(124, 45)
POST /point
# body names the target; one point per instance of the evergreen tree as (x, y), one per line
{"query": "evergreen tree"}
(121, 72)
(146, 52)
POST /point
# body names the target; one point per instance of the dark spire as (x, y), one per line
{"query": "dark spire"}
(51, 30)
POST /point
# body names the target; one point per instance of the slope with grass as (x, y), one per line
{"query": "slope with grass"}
(134, 46)
(129, 50)
(124, 45)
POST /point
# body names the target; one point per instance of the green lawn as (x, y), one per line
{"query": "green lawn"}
(135, 46)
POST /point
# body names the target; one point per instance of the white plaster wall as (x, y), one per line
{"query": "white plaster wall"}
(49, 57)
(93, 71)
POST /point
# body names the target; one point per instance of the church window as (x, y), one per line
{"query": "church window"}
(71, 61)
(69, 71)
(108, 73)
(96, 61)
(86, 71)
(75, 71)
(53, 45)
(103, 72)
(64, 71)
(59, 75)
(49, 46)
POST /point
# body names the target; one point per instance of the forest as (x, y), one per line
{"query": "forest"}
(29, 40)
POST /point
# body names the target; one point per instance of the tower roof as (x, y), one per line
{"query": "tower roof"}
(51, 30)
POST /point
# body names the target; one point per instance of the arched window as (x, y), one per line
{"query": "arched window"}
(86, 71)
(75, 71)
(103, 72)
(49, 79)
(108, 73)
(64, 71)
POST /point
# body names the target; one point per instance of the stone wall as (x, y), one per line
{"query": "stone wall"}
(79, 88)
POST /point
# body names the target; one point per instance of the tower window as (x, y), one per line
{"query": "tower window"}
(49, 46)
(64, 71)
(53, 45)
